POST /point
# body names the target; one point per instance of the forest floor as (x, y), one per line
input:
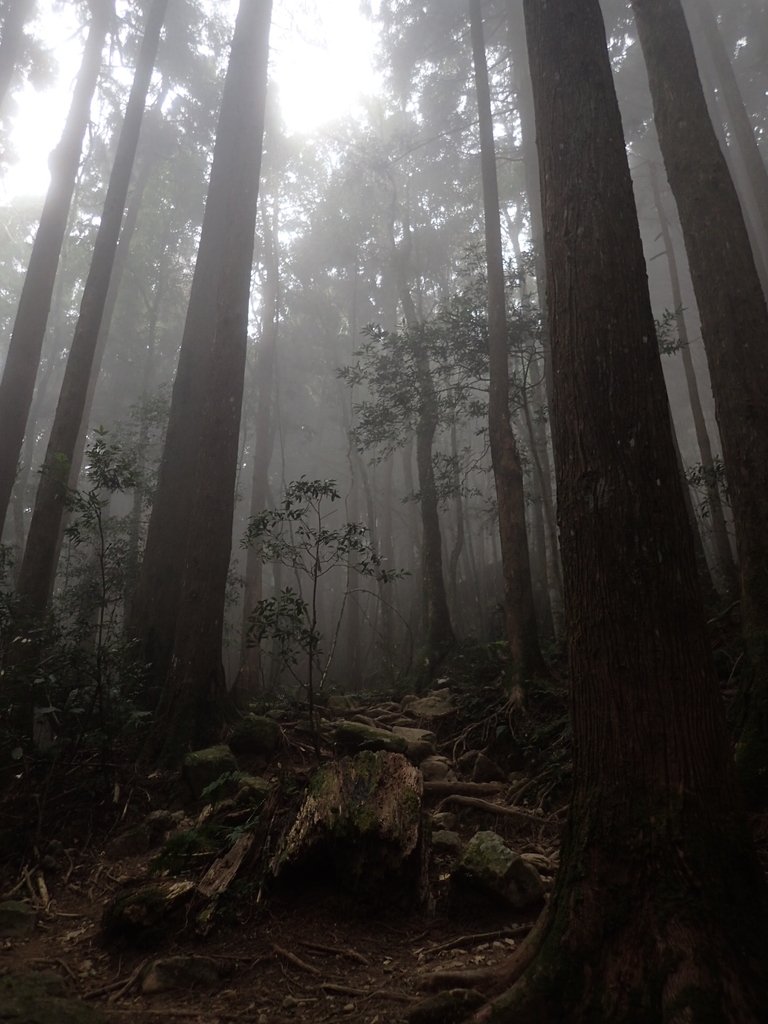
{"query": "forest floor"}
(305, 953)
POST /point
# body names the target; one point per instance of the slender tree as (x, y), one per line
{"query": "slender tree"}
(734, 326)
(659, 909)
(192, 699)
(700, 15)
(728, 575)
(18, 382)
(521, 629)
(38, 568)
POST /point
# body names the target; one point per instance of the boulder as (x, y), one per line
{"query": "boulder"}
(252, 791)
(147, 915)
(421, 742)
(256, 736)
(201, 768)
(183, 972)
(16, 918)
(489, 865)
(444, 820)
(356, 736)
(437, 704)
(337, 702)
(446, 841)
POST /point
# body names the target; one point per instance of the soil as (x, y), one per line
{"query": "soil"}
(303, 954)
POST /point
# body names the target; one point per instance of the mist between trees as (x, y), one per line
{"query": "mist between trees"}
(484, 362)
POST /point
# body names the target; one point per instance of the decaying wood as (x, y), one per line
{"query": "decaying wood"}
(223, 871)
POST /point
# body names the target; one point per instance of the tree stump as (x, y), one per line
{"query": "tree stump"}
(361, 826)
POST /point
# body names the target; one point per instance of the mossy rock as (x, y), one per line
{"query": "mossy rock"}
(489, 865)
(356, 736)
(16, 918)
(256, 736)
(202, 768)
(40, 999)
(252, 791)
(147, 915)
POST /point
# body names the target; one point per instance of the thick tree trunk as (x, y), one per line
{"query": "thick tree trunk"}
(192, 702)
(23, 359)
(726, 567)
(520, 618)
(734, 326)
(38, 568)
(659, 910)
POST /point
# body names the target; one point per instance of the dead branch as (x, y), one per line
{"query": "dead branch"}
(296, 961)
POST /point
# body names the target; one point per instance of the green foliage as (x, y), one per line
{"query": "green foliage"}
(72, 681)
(301, 534)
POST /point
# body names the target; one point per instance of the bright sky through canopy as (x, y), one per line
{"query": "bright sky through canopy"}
(322, 61)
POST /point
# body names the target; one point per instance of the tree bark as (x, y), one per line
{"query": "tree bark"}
(734, 325)
(520, 618)
(38, 568)
(659, 908)
(191, 707)
(23, 359)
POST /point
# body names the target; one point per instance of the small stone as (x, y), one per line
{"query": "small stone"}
(437, 769)
(488, 864)
(201, 768)
(181, 972)
(444, 820)
(17, 918)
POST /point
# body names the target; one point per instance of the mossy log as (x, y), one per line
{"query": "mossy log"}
(361, 825)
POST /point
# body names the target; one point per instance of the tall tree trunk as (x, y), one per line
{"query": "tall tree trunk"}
(726, 567)
(153, 611)
(734, 326)
(17, 14)
(192, 702)
(519, 613)
(23, 359)
(659, 908)
(248, 680)
(701, 16)
(38, 568)
(438, 630)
